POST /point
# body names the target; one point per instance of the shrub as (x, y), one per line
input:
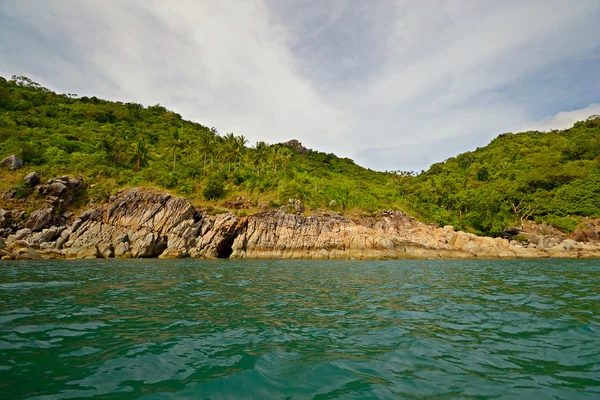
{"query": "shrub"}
(565, 224)
(22, 190)
(215, 188)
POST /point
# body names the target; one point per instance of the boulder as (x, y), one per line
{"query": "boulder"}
(32, 179)
(19, 235)
(23, 251)
(47, 235)
(12, 162)
(40, 218)
(56, 189)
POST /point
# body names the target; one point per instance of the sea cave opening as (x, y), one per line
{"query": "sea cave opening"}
(224, 249)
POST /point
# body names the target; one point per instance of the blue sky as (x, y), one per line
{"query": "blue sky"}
(391, 84)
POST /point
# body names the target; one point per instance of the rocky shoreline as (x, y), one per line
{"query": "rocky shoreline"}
(140, 223)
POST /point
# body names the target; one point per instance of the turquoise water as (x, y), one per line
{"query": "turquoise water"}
(229, 329)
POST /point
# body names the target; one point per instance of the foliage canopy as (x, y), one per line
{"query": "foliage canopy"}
(552, 177)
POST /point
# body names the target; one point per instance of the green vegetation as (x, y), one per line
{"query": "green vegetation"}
(551, 178)
(114, 145)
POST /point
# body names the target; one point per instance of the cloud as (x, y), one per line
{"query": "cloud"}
(562, 120)
(394, 85)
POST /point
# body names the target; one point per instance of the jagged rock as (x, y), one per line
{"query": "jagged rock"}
(510, 233)
(590, 231)
(8, 194)
(12, 162)
(40, 218)
(4, 218)
(106, 250)
(142, 223)
(239, 202)
(59, 191)
(47, 235)
(136, 224)
(296, 145)
(19, 235)
(55, 189)
(32, 179)
(298, 206)
(23, 251)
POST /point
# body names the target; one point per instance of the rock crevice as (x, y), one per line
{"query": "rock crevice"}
(141, 223)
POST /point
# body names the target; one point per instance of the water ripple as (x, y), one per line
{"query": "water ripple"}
(177, 329)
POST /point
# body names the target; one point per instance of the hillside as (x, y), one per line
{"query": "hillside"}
(115, 145)
(551, 178)
(547, 177)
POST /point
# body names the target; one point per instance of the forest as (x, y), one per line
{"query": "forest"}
(547, 177)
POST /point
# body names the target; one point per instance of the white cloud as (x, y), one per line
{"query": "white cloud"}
(394, 85)
(562, 120)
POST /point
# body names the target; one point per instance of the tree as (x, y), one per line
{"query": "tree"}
(140, 154)
(260, 154)
(522, 212)
(205, 145)
(240, 142)
(275, 158)
(286, 156)
(230, 149)
(176, 144)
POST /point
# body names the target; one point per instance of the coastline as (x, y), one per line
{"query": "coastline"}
(139, 223)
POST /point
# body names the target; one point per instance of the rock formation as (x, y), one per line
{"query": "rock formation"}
(141, 223)
(12, 162)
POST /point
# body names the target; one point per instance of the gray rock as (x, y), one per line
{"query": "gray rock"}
(298, 206)
(56, 189)
(569, 244)
(47, 235)
(40, 219)
(12, 162)
(32, 179)
(19, 235)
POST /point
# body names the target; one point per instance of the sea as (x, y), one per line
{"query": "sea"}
(300, 329)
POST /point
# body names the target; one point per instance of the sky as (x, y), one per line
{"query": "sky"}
(394, 85)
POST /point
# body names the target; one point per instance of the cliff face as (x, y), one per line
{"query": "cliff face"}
(140, 223)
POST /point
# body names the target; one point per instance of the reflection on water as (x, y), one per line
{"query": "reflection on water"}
(161, 329)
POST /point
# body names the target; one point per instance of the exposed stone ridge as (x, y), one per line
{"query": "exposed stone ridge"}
(142, 223)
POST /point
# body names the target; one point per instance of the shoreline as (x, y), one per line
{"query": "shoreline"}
(139, 223)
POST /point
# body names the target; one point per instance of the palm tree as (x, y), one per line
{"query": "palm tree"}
(140, 154)
(205, 145)
(275, 158)
(229, 149)
(286, 156)
(176, 144)
(241, 142)
(260, 154)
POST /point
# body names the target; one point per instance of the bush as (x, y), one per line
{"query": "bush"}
(186, 188)
(565, 224)
(22, 190)
(215, 188)
(99, 193)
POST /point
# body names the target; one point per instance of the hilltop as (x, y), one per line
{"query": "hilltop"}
(548, 178)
